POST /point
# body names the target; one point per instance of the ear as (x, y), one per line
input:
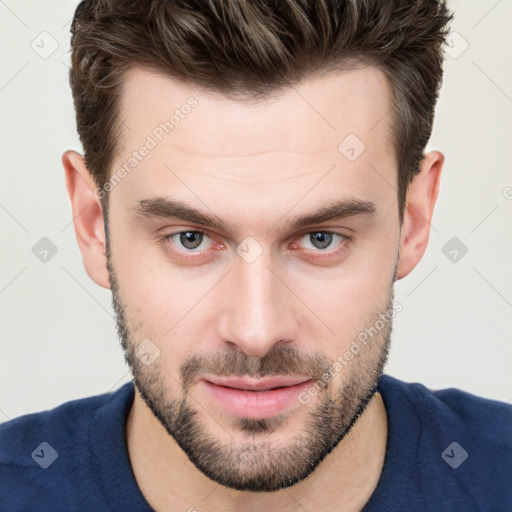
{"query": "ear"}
(87, 217)
(421, 199)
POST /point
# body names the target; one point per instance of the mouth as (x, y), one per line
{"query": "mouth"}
(256, 398)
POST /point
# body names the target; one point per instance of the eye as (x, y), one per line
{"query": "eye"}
(190, 240)
(319, 240)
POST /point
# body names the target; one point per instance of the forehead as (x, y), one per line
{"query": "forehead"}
(209, 143)
(329, 106)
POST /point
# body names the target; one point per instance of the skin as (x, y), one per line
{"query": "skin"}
(256, 165)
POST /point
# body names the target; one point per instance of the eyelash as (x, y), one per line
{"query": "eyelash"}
(192, 255)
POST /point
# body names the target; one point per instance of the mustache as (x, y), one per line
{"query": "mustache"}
(279, 361)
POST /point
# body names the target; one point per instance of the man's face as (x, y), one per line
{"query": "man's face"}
(259, 295)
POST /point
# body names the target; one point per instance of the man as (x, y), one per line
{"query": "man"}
(253, 183)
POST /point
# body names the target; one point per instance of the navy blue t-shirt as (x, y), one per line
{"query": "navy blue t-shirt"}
(447, 451)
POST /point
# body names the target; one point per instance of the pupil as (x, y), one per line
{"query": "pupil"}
(191, 239)
(321, 239)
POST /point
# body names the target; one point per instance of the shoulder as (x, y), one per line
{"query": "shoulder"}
(20, 434)
(46, 455)
(455, 447)
(453, 408)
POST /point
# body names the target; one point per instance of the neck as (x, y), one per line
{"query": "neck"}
(343, 481)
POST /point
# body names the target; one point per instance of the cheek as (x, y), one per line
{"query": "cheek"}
(161, 300)
(150, 291)
(172, 306)
(348, 297)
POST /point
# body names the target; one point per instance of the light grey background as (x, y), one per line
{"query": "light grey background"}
(58, 339)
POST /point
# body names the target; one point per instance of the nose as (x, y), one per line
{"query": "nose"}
(258, 310)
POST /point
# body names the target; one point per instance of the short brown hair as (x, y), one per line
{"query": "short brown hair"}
(250, 49)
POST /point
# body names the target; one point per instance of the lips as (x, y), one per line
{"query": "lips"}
(257, 384)
(255, 398)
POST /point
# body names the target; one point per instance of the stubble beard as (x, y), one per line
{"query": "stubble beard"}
(256, 463)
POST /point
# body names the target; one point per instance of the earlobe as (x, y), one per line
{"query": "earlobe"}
(421, 199)
(87, 217)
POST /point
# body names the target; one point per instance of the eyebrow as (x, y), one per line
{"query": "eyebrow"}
(166, 208)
